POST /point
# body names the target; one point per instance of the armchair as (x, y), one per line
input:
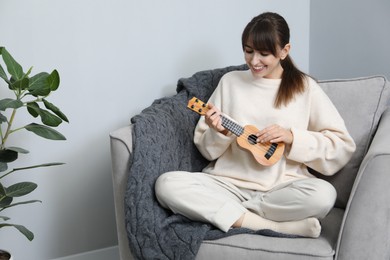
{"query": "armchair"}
(357, 227)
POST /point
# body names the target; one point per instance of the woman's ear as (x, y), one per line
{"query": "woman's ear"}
(285, 51)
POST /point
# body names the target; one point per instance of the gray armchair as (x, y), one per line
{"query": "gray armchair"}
(357, 228)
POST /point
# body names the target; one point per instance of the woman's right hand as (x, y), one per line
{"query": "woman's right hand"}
(213, 119)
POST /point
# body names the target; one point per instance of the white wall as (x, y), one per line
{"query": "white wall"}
(349, 38)
(114, 58)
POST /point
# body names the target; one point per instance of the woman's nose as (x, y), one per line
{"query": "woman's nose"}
(256, 58)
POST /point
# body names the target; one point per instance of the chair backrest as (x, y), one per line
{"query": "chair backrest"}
(361, 102)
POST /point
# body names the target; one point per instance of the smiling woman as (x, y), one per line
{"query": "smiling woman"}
(290, 110)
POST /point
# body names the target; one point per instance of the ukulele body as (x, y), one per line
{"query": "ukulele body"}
(266, 154)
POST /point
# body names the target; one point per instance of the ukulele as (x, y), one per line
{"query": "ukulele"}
(266, 154)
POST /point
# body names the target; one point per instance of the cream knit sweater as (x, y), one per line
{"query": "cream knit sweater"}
(321, 140)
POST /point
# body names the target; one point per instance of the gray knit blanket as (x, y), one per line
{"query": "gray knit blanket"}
(162, 142)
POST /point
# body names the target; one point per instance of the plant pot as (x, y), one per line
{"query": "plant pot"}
(5, 255)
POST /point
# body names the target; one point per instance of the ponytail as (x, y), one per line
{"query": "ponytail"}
(293, 82)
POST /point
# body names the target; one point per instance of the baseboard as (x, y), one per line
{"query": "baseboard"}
(109, 253)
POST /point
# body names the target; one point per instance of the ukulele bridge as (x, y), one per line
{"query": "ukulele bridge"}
(271, 150)
(252, 139)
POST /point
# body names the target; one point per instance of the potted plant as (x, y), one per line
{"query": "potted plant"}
(28, 92)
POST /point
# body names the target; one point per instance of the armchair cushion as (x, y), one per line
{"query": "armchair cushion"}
(361, 102)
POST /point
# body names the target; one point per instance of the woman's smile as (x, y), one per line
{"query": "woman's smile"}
(258, 69)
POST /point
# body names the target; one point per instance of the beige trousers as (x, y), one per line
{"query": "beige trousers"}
(207, 198)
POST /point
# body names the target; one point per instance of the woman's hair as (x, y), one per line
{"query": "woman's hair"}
(266, 32)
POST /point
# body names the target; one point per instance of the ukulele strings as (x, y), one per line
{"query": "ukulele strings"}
(246, 134)
(259, 146)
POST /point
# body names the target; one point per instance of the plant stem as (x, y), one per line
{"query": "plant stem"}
(1, 135)
(32, 167)
(8, 131)
(7, 173)
(16, 129)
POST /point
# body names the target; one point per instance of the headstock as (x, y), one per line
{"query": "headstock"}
(198, 106)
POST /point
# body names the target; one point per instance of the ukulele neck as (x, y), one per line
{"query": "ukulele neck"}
(232, 126)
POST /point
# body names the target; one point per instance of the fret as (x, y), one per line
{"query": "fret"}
(232, 126)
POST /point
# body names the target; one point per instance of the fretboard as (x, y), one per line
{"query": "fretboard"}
(232, 126)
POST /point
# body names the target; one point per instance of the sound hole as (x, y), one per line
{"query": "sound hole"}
(252, 139)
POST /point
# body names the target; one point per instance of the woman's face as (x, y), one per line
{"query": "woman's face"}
(265, 64)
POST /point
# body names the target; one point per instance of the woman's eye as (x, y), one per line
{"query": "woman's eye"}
(265, 54)
(249, 51)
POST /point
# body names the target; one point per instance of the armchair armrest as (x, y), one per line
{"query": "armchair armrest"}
(121, 148)
(365, 232)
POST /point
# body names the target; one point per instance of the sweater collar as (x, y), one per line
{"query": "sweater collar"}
(264, 81)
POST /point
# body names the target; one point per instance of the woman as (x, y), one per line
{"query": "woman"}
(289, 107)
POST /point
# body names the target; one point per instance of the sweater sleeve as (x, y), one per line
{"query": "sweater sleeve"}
(326, 145)
(210, 143)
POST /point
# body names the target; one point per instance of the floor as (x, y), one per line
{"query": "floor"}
(110, 253)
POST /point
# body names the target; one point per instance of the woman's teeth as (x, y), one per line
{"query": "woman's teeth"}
(258, 67)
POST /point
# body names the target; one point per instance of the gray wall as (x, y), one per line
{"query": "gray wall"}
(114, 58)
(349, 38)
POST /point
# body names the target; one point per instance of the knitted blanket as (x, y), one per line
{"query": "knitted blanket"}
(162, 142)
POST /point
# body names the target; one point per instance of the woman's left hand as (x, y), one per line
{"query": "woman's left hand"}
(275, 134)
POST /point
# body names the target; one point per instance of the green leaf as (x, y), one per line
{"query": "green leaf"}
(18, 149)
(20, 189)
(38, 166)
(21, 84)
(19, 203)
(3, 119)
(5, 202)
(1, 49)
(3, 75)
(3, 167)
(4, 218)
(55, 110)
(10, 103)
(39, 85)
(33, 108)
(2, 190)
(49, 119)
(29, 71)
(45, 131)
(54, 80)
(27, 233)
(7, 156)
(13, 67)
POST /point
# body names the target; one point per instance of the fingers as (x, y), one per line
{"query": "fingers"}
(213, 118)
(274, 134)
